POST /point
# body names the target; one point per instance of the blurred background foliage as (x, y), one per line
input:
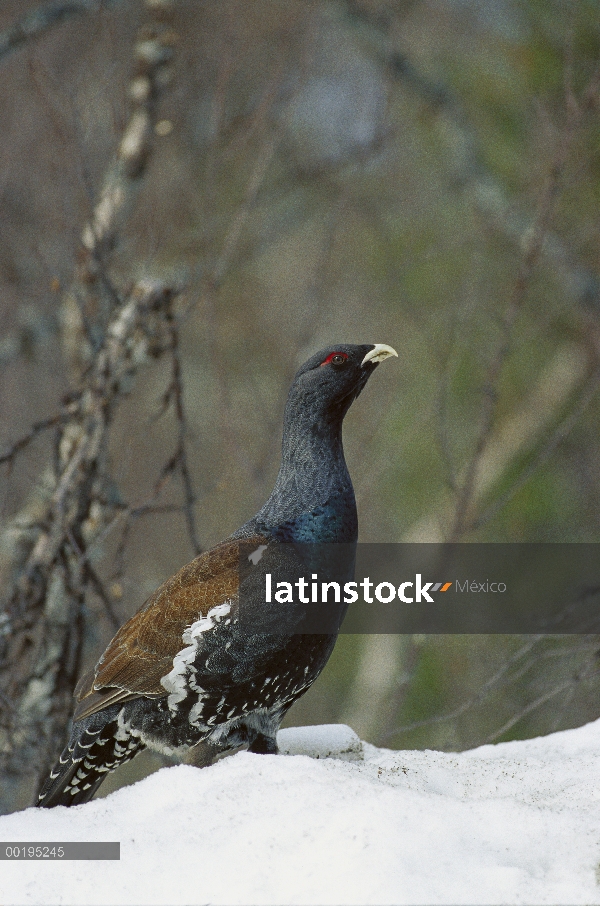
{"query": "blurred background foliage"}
(424, 173)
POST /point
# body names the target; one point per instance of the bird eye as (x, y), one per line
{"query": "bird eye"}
(336, 358)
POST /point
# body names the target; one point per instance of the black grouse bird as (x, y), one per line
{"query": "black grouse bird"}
(186, 676)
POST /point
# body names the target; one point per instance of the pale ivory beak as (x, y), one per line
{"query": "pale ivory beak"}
(379, 352)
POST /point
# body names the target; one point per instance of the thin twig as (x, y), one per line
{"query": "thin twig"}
(533, 243)
(9, 704)
(129, 515)
(442, 426)
(36, 429)
(491, 683)
(98, 586)
(180, 458)
(556, 438)
(539, 701)
(241, 216)
(90, 574)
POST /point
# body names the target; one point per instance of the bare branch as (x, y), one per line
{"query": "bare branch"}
(532, 244)
(94, 294)
(470, 173)
(57, 571)
(42, 637)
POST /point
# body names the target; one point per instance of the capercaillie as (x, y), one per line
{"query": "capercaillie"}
(186, 676)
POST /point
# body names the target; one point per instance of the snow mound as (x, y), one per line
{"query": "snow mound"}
(326, 741)
(336, 821)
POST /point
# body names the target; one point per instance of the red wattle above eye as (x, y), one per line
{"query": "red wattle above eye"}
(331, 356)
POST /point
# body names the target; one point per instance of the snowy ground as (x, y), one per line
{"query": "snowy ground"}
(512, 823)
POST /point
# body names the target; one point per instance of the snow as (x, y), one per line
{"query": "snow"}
(335, 821)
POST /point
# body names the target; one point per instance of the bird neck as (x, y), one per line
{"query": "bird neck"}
(313, 498)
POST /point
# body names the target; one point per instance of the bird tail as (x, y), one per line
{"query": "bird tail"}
(97, 746)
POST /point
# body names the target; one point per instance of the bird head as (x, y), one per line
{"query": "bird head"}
(329, 382)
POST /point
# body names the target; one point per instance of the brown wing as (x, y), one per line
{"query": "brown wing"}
(143, 649)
